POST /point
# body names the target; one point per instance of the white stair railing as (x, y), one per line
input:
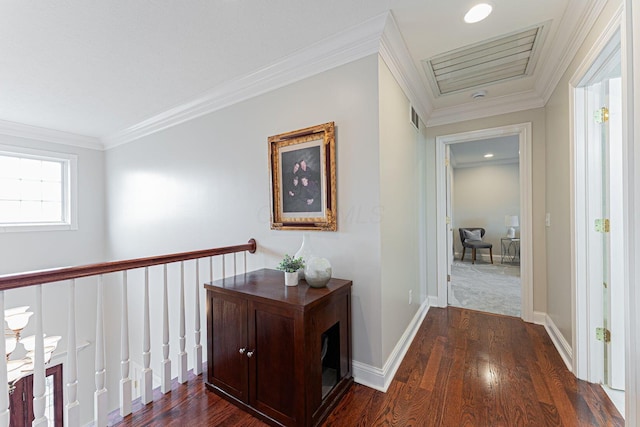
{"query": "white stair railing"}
(38, 366)
(100, 402)
(71, 412)
(72, 409)
(125, 381)
(165, 381)
(182, 339)
(197, 348)
(146, 381)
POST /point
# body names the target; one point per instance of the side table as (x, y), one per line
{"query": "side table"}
(510, 250)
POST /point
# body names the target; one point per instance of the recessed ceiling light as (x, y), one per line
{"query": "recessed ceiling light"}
(477, 13)
(488, 155)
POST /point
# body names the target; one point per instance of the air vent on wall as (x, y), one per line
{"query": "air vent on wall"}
(503, 58)
(415, 120)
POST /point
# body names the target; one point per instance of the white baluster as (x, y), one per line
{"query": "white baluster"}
(38, 367)
(197, 349)
(100, 402)
(146, 380)
(245, 260)
(182, 355)
(211, 268)
(125, 381)
(165, 385)
(4, 386)
(223, 267)
(235, 257)
(72, 409)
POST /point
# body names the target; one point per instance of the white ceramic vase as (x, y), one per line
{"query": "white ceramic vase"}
(317, 272)
(291, 279)
(305, 252)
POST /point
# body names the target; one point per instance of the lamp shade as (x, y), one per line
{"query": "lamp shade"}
(511, 221)
(15, 310)
(18, 321)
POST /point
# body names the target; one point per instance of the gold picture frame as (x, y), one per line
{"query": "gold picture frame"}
(302, 165)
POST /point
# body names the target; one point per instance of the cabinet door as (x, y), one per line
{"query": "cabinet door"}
(229, 345)
(274, 367)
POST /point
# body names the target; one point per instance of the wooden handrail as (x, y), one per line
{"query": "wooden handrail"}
(21, 280)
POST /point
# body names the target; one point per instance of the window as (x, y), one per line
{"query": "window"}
(37, 190)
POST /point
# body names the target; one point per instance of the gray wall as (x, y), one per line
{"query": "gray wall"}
(482, 196)
(205, 183)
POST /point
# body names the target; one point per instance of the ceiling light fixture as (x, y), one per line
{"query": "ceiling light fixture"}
(477, 13)
(488, 155)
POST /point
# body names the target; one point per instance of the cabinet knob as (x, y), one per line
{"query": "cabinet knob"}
(250, 353)
(242, 350)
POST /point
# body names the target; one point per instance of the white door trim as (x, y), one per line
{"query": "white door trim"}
(523, 130)
(586, 304)
(631, 115)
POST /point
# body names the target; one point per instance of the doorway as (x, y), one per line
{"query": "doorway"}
(484, 191)
(598, 230)
(444, 232)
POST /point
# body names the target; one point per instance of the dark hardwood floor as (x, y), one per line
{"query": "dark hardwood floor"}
(464, 368)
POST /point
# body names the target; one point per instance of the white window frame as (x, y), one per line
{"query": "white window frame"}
(69, 189)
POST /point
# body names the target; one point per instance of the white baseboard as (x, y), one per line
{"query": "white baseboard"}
(560, 343)
(378, 378)
(433, 301)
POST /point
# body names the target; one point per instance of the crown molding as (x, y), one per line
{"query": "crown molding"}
(395, 54)
(480, 109)
(49, 135)
(576, 22)
(344, 47)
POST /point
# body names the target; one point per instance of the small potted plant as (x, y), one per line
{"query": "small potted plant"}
(290, 266)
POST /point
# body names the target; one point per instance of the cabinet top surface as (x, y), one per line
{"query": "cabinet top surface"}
(269, 284)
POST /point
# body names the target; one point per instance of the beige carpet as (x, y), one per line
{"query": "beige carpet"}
(494, 288)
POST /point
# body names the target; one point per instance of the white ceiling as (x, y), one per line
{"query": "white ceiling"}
(505, 150)
(98, 69)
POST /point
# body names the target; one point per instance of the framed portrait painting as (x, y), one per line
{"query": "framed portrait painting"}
(303, 179)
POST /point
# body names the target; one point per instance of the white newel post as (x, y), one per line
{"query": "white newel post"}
(72, 409)
(146, 380)
(182, 356)
(38, 367)
(100, 401)
(197, 349)
(4, 390)
(165, 385)
(125, 381)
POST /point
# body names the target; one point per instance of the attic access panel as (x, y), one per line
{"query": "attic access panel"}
(492, 61)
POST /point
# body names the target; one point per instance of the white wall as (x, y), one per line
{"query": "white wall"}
(27, 251)
(400, 193)
(205, 183)
(482, 197)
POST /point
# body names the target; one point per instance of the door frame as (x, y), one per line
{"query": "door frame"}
(523, 130)
(630, 116)
(586, 298)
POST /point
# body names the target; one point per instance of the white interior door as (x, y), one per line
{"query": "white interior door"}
(615, 290)
(449, 219)
(605, 241)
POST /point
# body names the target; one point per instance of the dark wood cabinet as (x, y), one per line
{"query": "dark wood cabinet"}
(281, 353)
